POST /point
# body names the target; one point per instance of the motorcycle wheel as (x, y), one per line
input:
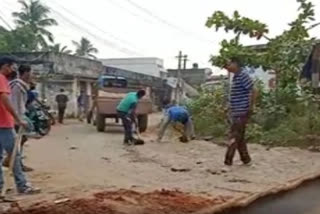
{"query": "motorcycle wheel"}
(45, 128)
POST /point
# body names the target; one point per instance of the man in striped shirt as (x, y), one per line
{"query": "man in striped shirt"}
(242, 99)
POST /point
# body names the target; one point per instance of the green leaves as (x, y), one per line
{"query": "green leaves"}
(20, 39)
(284, 53)
(85, 48)
(239, 25)
(288, 112)
(58, 48)
(209, 111)
(35, 16)
(232, 48)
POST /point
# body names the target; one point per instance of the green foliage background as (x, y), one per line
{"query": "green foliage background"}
(287, 115)
(31, 33)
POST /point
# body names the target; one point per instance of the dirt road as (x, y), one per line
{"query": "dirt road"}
(75, 161)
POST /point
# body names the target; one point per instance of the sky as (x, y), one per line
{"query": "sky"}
(158, 28)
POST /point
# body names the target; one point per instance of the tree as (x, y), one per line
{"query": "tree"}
(85, 48)
(35, 15)
(284, 53)
(18, 40)
(57, 48)
(2, 29)
(3, 42)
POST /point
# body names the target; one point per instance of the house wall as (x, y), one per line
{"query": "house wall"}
(72, 87)
(267, 77)
(149, 66)
(55, 71)
(60, 64)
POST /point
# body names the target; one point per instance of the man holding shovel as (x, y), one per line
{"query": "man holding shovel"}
(7, 133)
(242, 100)
(127, 112)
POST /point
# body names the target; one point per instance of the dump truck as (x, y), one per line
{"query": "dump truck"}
(108, 93)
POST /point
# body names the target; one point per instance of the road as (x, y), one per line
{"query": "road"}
(75, 160)
(304, 200)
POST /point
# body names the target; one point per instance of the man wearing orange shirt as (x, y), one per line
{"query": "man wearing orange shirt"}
(7, 122)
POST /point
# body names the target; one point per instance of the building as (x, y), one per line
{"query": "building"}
(194, 76)
(215, 81)
(268, 78)
(55, 71)
(149, 66)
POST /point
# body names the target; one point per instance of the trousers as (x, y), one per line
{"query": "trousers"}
(7, 142)
(237, 141)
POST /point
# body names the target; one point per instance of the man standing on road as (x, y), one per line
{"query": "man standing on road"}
(7, 122)
(177, 114)
(19, 96)
(126, 111)
(62, 101)
(242, 100)
(82, 101)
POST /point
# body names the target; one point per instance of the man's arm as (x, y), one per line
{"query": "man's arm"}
(248, 84)
(163, 127)
(132, 112)
(7, 104)
(253, 98)
(17, 101)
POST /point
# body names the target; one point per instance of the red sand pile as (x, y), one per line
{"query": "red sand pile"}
(127, 202)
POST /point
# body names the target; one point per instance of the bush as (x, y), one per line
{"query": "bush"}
(283, 117)
(209, 112)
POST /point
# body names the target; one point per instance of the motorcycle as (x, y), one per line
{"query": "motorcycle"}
(44, 122)
(41, 118)
(49, 112)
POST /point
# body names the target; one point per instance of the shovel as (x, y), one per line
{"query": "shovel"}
(9, 174)
(139, 141)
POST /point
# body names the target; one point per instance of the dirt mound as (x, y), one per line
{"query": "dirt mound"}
(125, 202)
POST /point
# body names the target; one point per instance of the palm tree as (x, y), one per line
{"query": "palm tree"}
(85, 48)
(57, 48)
(36, 15)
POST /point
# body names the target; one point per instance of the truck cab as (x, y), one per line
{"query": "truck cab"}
(108, 81)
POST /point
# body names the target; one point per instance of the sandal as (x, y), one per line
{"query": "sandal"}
(30, 191)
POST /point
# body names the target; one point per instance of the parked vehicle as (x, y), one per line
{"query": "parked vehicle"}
(49, 112)
(41, 118)
(109, 92)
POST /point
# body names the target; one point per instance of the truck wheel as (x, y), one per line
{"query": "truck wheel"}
(100, 123)
(143, 122)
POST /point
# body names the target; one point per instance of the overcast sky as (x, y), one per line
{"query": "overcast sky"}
(157, 28)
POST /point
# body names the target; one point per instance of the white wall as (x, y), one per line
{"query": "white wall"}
(149, 66)
(259, 73)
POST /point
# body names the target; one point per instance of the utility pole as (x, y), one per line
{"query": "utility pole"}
(185, 60)
(178, 89)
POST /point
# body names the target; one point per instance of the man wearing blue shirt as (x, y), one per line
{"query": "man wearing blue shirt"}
(242, 99)
(126, 111)
(177, 114)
